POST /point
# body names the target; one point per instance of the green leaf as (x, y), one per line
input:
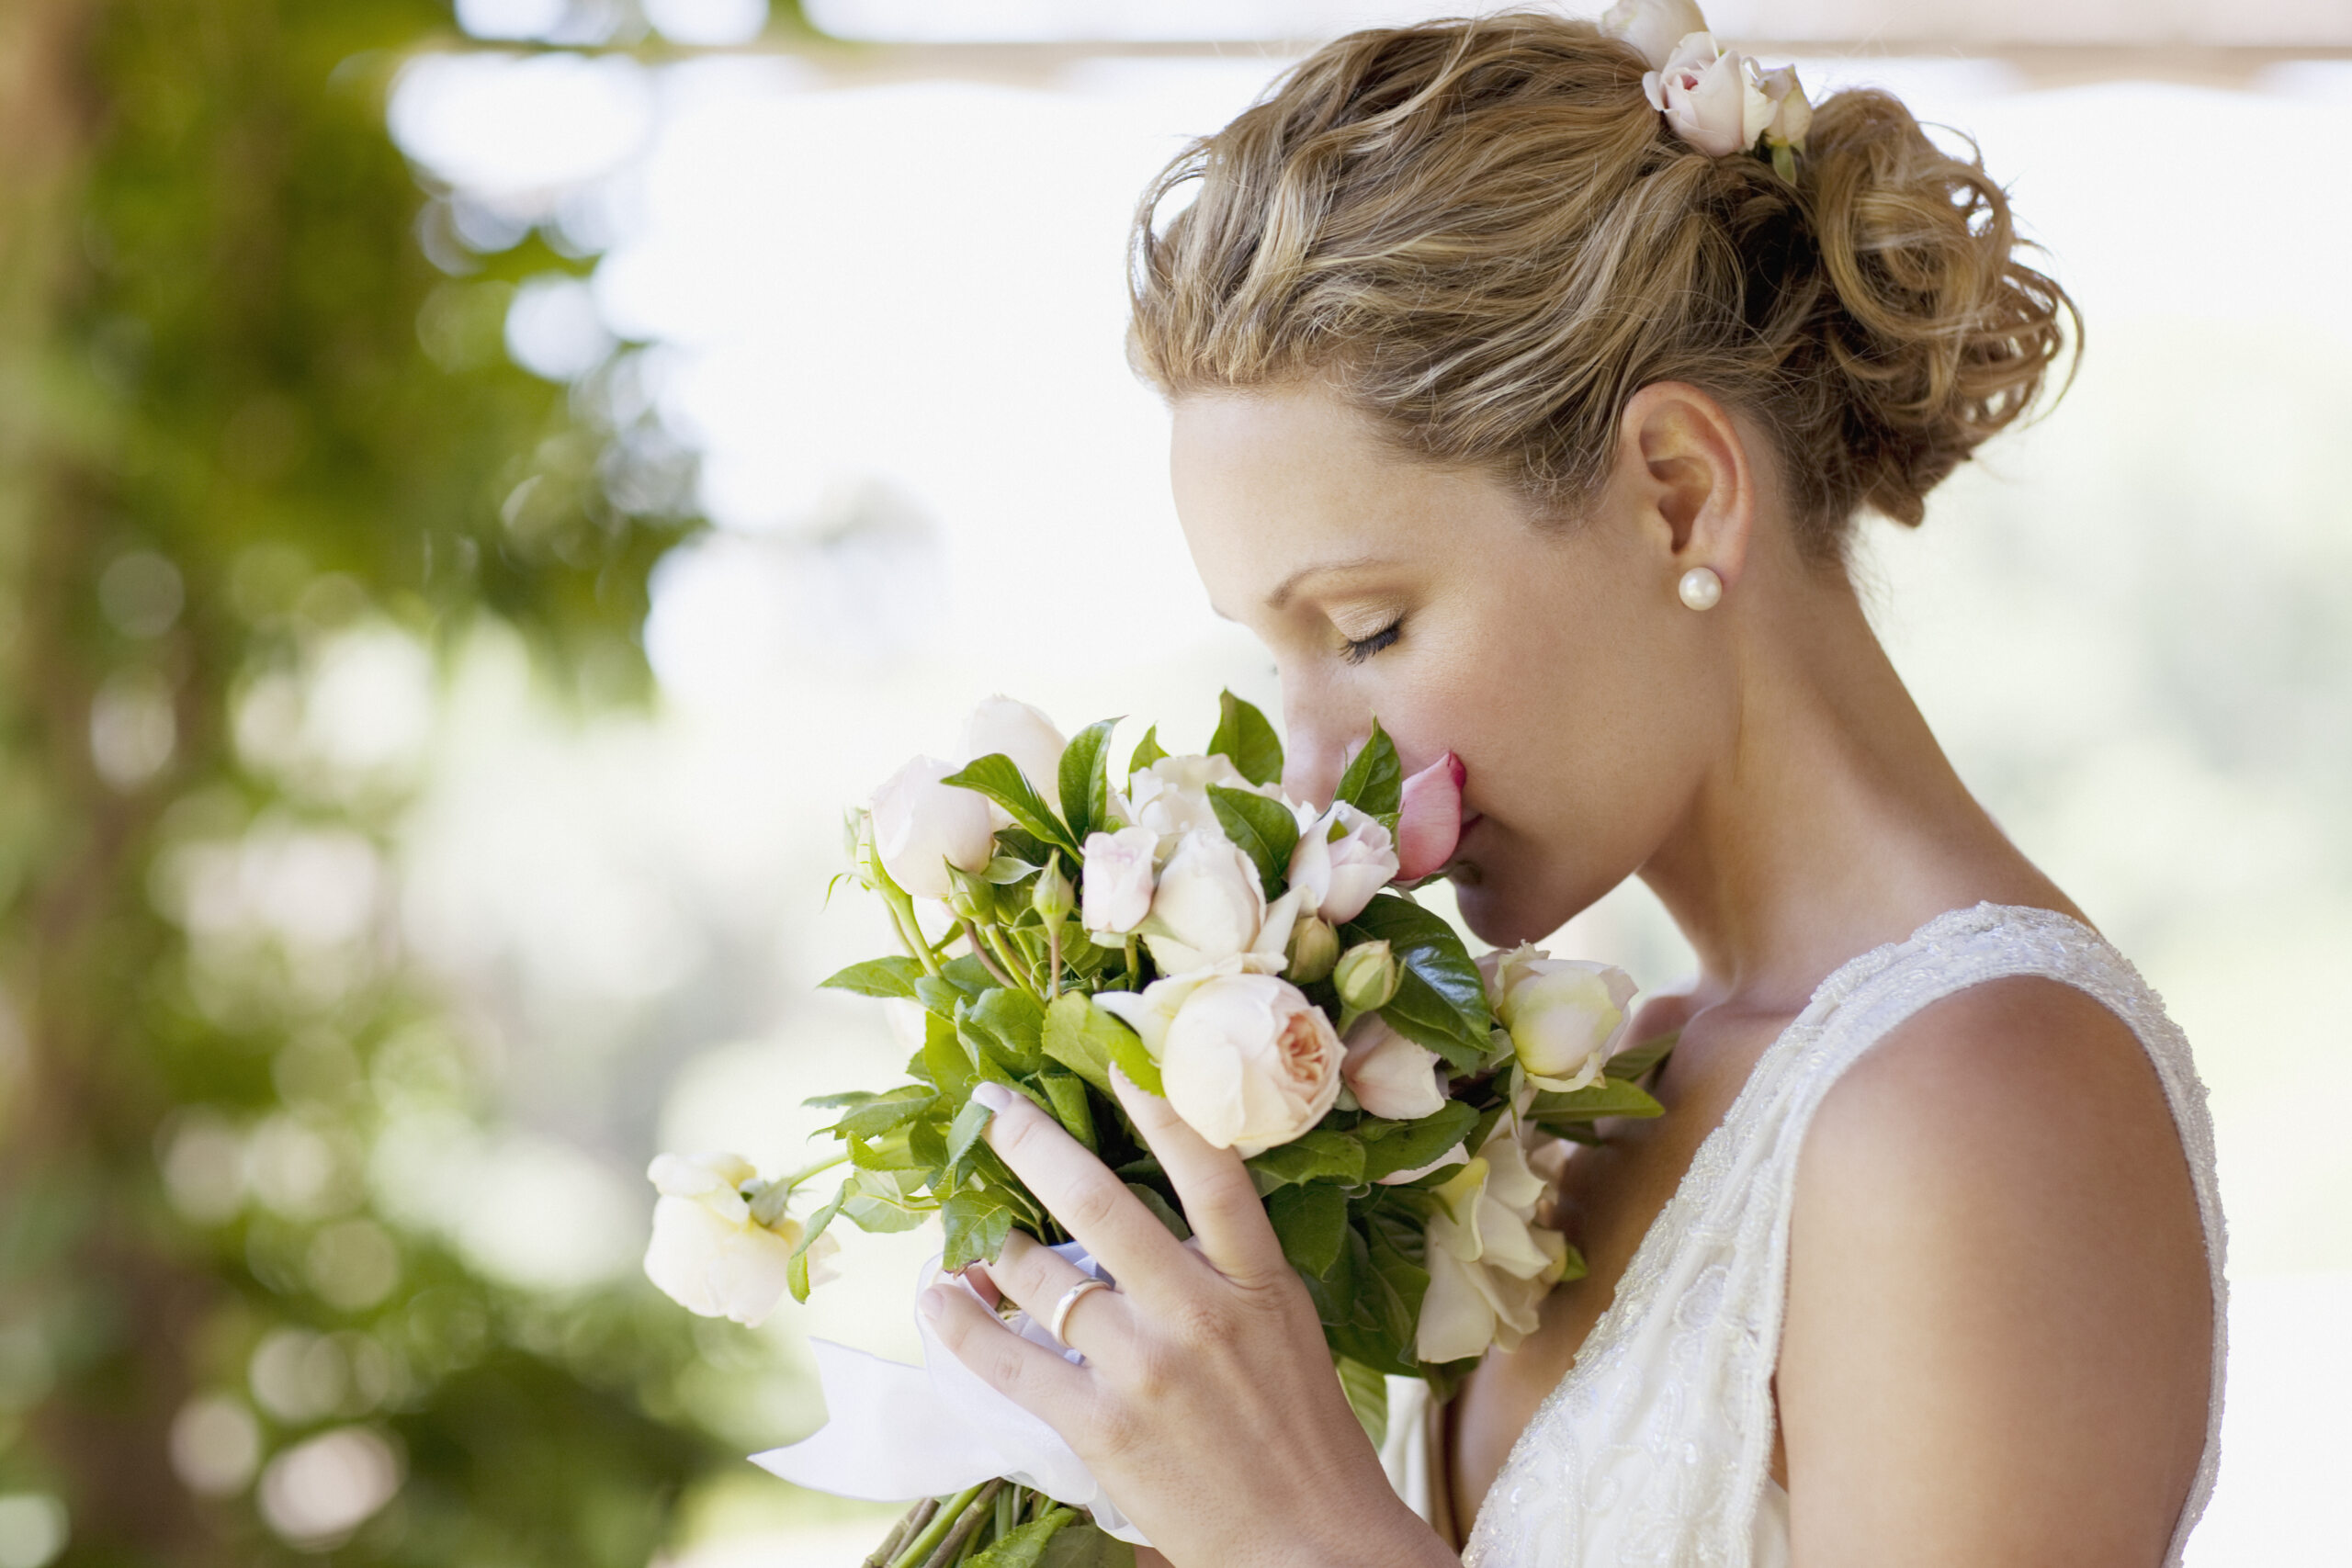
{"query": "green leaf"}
(1609, 1097)
(997, 776)
(877, 977)
(1263, 829)
(1072, 1037)
(945, 1057)
(968, 974)
(846, 1097)
(1087, 1546)
(1162, 1210)
(1025, 1544)
(1312, 1221)
(1248, 741)
(884, 1112)
(795, 1268)
(966, 1130)
(1634, 1063)
(1392, 1146)
(872, 1202)
(890, 1152)
(1148, 750)
(1440, 998)
(977, 1221)
(1374, 782)
(1012, 1022)
(1085, 782)
(1069, 1096)
(1324, 1155)
(1367, 1391)
(1026, 847)
(1130, 1056)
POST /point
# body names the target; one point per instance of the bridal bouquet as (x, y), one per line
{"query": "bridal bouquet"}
(1259, 963)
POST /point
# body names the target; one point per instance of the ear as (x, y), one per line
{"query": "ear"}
(1683, 462)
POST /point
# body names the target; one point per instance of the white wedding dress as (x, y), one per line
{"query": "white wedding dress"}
(1653, 1449)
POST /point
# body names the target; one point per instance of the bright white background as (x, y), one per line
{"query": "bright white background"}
(887, 319)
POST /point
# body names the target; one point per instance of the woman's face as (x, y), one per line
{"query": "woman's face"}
(1556, 661)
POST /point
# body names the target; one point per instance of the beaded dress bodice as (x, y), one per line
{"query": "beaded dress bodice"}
(1655, 1449)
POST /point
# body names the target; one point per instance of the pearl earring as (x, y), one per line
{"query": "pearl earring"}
(1701, 588)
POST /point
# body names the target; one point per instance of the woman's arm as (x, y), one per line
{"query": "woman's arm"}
(1208, 1406)
(1999, 1316)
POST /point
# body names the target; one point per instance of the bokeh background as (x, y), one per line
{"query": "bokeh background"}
(481, 489)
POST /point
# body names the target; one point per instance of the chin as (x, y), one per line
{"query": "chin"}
(1496, 912)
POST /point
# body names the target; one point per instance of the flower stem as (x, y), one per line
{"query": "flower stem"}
(1053, 960)
(972, 935)
(977, 1512)
(797, 1177)
(933, 1530)
(913, 1519)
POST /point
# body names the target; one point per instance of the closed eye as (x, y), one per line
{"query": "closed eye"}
(1361, 649)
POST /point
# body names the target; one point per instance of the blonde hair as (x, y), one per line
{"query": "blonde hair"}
(1480, 234)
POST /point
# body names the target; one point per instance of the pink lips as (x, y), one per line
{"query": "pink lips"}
(1429, 821)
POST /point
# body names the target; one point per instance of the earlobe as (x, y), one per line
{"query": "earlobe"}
(1688, 468)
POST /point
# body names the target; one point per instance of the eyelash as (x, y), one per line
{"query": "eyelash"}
(1361, 649)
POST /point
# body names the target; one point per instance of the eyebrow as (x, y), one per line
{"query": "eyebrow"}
(1289, 585)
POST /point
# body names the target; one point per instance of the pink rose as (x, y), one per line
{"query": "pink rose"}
(1429, 824)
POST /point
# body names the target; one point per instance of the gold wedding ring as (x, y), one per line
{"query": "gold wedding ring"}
(1069, 1300)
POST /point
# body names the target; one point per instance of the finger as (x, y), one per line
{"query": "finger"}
(1032, 1376)
(1220, 1202)
(1080, 1191)
(1037, 1278)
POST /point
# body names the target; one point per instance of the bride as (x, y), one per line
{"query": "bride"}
(1517, 402)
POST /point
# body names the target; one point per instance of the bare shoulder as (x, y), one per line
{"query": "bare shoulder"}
(1997, 1290)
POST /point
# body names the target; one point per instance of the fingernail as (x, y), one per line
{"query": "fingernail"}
(929, 1302)
(993, 1095)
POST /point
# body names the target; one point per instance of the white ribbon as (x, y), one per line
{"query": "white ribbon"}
(895, 1433)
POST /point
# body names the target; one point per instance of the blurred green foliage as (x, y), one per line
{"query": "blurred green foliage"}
(245, 417)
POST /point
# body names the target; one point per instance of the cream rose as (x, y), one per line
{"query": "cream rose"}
(1209, 906)
(1389, 1074)
(1343, 857)
(709, 1253)
(1246, 1059)
(921, 827)
(1000, 724)
(1490, 1265)
(1653, 26)
(1791, 110)
(1566, 1016)
(1171, 796)
(1116, 888)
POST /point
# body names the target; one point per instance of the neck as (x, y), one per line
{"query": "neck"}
(1834, 822)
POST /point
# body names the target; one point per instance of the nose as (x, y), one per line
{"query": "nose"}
(1320, 735)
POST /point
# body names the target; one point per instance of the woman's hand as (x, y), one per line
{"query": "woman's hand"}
(1206, 1404)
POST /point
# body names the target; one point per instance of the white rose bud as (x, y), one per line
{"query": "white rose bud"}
(1791, 110)
(1389, 1074)
(1021, 733)
(1314, 949)
(1248, 1062)
(1343, 857)
(1567, 1016)
(1054, 896)
(1114, 892)
(1366, 977)
(1209, 908)
(1490, 1265)
(921, 827)
(1710, 97)
(708, 1253)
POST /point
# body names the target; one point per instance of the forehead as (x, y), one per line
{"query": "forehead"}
(1264, 479)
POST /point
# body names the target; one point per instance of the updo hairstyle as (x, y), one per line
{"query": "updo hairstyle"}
(1481, 234)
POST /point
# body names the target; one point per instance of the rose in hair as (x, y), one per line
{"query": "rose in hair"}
(1653, 26)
